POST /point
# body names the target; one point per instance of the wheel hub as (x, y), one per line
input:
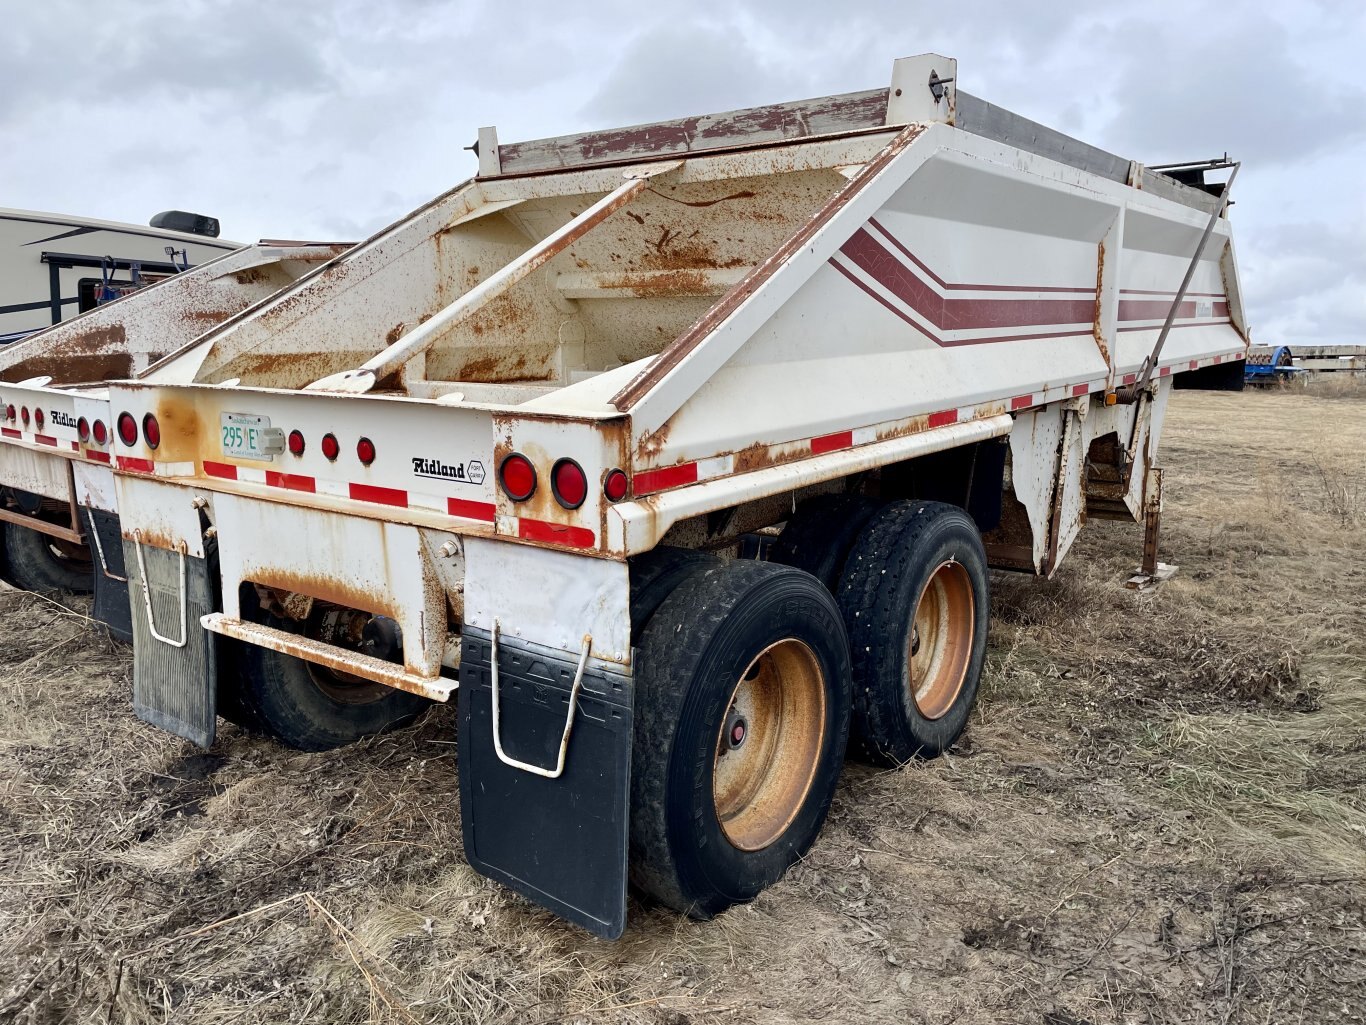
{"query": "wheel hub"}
(768, 745)
(940, 644)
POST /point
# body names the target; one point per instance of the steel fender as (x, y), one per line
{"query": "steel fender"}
(555, 597)
(561, 842)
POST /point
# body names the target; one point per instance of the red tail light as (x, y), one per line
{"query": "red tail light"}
(23, 415)
(296, 443)
(365, 451)
(568, 483)
(101, 432)
(151, 431)
(83, 429)
(518, 477)
(38, 419)
(615, 485)
(128, 428)
(331, 449)
(10, 413)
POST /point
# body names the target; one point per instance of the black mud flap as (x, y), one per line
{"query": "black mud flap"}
(111, 578)
(560, 842)
(173, 684)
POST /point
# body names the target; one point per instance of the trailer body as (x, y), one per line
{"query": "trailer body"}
(56, 432)
(481, 420)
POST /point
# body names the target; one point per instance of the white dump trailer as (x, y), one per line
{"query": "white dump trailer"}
(513, 447)
(56, 486)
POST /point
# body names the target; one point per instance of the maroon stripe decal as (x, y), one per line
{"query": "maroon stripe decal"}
(867, 253)
(1153, 291)
(1087, 289)
(1175, 327)
(954, 342)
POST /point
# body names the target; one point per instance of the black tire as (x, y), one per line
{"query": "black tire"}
(654, 576)
(821, 533)
(36, 563)
(902, 548)
(704, 638)
(298, 703)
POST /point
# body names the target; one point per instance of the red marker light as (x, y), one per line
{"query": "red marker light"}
(128, 428)
(10, 412)
(101, 432)
(365, 451)
(569, 484)
(151, 431)
(296, 443)
(23, 415)
(518, 477)
(331, 448)
(615, 486)
(83, 429)
(38, 418)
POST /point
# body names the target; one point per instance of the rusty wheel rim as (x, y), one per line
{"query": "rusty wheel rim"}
(940, 644)
(769, 743)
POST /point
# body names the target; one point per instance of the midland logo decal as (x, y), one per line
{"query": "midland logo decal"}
(58, 417)
(466, 473)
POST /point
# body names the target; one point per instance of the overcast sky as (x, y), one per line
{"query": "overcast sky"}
(307, 119)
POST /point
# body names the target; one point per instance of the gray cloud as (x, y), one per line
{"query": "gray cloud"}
(331, 118)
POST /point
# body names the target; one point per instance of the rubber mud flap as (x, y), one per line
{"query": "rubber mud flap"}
(173, 687)
(560, 842)
(111, 593)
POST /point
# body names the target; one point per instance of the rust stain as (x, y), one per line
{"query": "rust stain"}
(179, 421)
(394, 334)
(662, 284)
(250, 276)
(321, 586)
(1095, 330)
(72, 369)
(702, 202)
(671, 254)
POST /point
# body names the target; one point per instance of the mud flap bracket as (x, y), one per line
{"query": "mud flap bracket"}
(545, 795)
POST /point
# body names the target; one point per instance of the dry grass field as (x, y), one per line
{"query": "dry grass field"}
(1158, 815)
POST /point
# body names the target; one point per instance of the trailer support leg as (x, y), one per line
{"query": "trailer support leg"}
(1151, 571)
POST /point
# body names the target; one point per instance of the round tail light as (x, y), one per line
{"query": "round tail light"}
(83, 429)
(365, 451)
(151, 431)
(128, 428)
(10, 412)
(101, 432)
(23, 415)
(568, 483)
(518, 477)
(39, 420)
(296, 443)
(330, 446)
(615, 485)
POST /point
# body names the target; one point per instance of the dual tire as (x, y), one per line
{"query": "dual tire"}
(752, 676)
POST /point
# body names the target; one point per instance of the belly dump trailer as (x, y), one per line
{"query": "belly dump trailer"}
(499, 452)
(56, 485)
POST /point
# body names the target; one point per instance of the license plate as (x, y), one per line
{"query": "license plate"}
(248, 436)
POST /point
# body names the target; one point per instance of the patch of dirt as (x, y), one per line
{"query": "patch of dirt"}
(1156, 816)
